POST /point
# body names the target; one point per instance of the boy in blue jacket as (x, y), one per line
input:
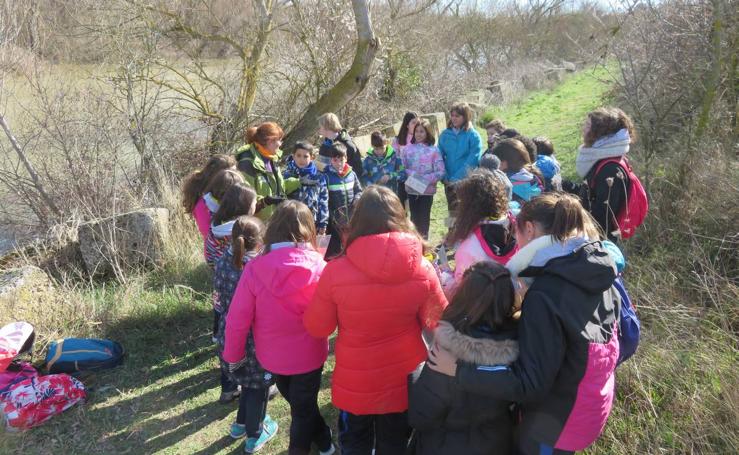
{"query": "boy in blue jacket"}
(313, 190)
(381, 165)
(343, 190)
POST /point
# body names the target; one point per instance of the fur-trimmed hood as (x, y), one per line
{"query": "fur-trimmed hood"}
(478, 351)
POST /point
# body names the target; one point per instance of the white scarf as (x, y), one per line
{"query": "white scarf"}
(211, 202)
(615, 145)
(222, 230)
(525, 255)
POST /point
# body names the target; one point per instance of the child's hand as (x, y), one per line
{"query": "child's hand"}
(322, 231)
(384, 179)
(442, 361)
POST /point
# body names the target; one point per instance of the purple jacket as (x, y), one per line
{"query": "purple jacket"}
(423, 162)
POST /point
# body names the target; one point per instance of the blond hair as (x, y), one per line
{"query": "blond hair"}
(330, 121)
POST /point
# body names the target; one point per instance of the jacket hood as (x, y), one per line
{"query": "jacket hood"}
(389, 153)
(390, 257)
(478, 351)
(587, 265)
(287, 271)
(521, 176)
(498, 237)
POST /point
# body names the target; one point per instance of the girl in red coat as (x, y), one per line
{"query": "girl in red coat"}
(381, 292)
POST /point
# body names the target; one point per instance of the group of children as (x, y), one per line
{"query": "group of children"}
(276, 300)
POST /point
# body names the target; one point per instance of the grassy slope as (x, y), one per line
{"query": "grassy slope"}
(163, 399)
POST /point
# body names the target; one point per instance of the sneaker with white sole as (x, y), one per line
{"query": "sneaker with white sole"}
(269, 431)
(238, 431)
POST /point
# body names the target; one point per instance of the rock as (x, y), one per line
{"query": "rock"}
(437, 121)
(554, 74)
(363, 143)
(131, 240)
(496, 88)
(569, 66)
(23, 281)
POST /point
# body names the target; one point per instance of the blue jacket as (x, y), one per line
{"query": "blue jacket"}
(525, 185)
(376, 167)
(550, 169)
(461, 151)
(343, 190)
(313, 190)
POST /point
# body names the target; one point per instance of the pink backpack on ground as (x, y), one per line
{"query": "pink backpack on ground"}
(35, 400)
(633, 212)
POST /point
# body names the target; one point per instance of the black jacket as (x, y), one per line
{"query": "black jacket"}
(451, 421)
(353, 157)
(566, 329)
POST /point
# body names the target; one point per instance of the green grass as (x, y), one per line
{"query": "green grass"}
(678, 395)
(557, 113)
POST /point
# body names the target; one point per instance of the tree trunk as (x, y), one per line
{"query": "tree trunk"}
(351, 84)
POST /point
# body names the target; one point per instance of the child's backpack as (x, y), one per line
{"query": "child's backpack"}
(16, 372)
(15, 339)
(629, 327)
(72, 355)
(35, 400)
(633, 212)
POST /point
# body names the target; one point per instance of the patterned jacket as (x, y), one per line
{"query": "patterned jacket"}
(343, 189)
(424, 162)
(376, 167)
(313, 190)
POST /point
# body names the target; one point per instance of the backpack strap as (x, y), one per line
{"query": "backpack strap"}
(620, 161)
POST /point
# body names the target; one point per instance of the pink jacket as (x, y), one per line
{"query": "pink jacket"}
(202, 217)
(271, 297)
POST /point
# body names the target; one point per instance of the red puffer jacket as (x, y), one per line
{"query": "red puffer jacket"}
(380, 294)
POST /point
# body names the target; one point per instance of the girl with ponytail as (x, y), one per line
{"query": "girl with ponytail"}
(193, 190)
(567, 332)
(246, 242)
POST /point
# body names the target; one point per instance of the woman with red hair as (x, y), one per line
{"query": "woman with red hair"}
(259, 162)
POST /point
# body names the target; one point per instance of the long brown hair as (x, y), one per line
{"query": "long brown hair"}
(193, 187)
(426, 125)
(403, 132)
(481, 195)
(378, 211)
(485, 296)
(513, 152)
(238, 200)
(246, 235)
(465, 111)
(263, 133)
(606, 121)
(560, 215)
(292, 221)
(223, 180)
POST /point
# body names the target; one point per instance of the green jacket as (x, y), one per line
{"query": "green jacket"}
(253, 167)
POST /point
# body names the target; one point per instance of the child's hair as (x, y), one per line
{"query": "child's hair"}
(378, 139)
(337, 150)
(263, 133)
(513, 152)
(222, 181)
(509, 133)
(530, 146)
(237, 201)
(560, 215)
(292, 221)
(194, 185)
(606, 121)
(378, 211)
(481, 195)
(403, 132)
(484, 296)
(496, 124)
(330, 121)
(246, 235)
(430, 138)
(543, 145)
(465, 111)
(303, 145)
(489, 162)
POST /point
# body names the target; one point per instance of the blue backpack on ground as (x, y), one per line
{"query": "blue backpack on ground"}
(629, 327)
(73, 355)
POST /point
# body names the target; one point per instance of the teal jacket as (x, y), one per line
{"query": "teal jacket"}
(461, 150)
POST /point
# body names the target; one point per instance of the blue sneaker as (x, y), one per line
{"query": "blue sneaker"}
(269, 431)
(238, 431)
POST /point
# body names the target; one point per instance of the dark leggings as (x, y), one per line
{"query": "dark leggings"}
(451, 198)
(381, 434)
(252, 410)
(421, 212)
(307, 425)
